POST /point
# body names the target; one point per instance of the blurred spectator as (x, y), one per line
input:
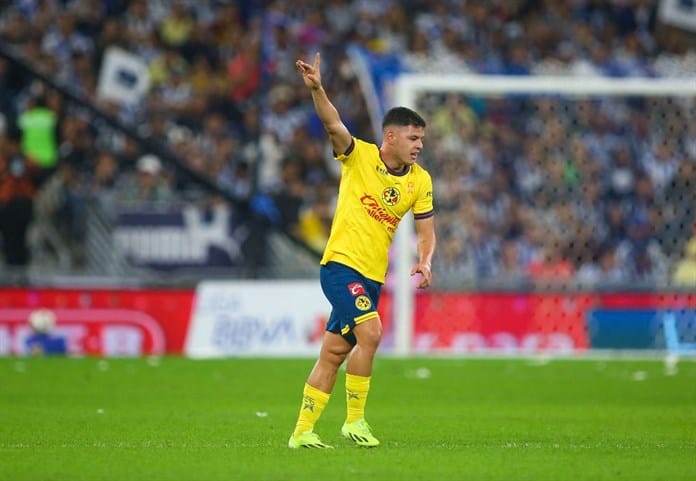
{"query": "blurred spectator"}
(8, 109)
(176, 26)
(451, 262)
(660, 164)
(165, 63)
(17, 191)
(147, 188)
(314, 223)
(494, 206)
(641, 253)
(210, 83)
(312, 156)
(283, 118)
(482, 247)
(684, 274)
(622, 173)
(604, 270)
(551, 267)
(137, 22)
(244, 72)
(176, 98)
(102, 183)
(44, 341)
(680, 207)
(39, 126)
(62, 39)
(237, 179)
(676, 58)
(511, 269)
(518, 60)
(531, 237)
(646, 266)
(289, 199)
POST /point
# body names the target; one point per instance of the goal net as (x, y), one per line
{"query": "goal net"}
(553, 183)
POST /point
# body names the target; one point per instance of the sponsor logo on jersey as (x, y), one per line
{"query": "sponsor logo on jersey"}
(356, 289)
(363, 303)
(378, 212)
(391, 196)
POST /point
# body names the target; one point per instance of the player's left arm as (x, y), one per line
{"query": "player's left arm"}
(425, 231)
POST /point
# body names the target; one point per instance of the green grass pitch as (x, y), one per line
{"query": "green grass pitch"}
(438, 419)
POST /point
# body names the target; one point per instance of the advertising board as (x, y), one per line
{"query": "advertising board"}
(287, 318)
(108, 322)
(250, 318)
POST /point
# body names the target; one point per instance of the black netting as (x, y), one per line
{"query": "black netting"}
(559, 190)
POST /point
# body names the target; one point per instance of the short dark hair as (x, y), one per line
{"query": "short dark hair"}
(402, 116)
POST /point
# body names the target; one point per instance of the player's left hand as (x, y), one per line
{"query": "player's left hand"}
(426, 275)
(311, 74)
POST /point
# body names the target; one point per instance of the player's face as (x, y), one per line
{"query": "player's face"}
(409, 143)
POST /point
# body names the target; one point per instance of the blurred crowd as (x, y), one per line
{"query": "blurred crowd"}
(597, 191)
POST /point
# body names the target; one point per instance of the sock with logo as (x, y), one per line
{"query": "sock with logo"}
(357, 388)
(313, 403)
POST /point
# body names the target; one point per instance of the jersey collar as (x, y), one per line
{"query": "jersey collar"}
(392, 171)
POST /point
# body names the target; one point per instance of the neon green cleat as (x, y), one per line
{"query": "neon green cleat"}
(308, 439)
(359, 432)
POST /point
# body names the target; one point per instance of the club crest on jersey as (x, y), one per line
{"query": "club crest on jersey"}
(363, 303)
(356, 289)
(391, 196)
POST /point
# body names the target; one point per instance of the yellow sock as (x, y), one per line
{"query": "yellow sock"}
(313, 403)
(357, 388)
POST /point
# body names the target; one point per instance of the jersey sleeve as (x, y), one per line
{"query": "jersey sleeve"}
(423, 207)
(348, 154)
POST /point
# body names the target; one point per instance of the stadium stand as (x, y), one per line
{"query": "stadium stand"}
(595, 193)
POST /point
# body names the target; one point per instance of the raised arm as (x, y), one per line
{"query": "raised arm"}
(339, 136)
(425, 231)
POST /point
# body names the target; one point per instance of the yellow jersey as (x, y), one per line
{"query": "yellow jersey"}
(372, 200)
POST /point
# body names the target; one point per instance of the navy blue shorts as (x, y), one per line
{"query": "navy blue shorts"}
(353, 298)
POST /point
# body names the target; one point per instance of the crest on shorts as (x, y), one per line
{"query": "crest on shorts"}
(363, 303)
(391, 196)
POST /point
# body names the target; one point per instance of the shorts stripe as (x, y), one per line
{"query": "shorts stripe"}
(366, 317)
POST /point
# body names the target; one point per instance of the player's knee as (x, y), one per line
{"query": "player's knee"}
(369, 335)
(338, 357)
(334, 355)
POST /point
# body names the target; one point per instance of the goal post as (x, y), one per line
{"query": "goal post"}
(406, 91)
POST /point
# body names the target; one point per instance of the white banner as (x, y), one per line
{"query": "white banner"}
(250, 318)
(679, 13)
(124, 77)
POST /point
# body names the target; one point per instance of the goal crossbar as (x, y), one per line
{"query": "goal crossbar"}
(408, 85)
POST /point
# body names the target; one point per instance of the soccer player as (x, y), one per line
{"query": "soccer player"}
(379, 185)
